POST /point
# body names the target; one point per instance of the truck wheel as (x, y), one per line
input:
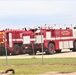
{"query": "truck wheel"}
(34, 52)
(23, 50)
(74, 50)
(16, 49)
(30, 52)
(58, 51)
(51, 48)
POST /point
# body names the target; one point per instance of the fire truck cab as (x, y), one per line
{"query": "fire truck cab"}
(12, 40)
(2, 40)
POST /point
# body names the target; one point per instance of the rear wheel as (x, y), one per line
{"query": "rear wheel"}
(51, 48)
(16, 49)
(34, 52)
(30, 52)
(23, 50)
(74, 50)
(58, 51)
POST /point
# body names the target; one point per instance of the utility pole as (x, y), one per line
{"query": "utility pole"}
(42, 46)
(6, 50)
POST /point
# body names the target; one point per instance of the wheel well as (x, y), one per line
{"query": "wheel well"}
(51, 42)
(18, 44)
(74, 42)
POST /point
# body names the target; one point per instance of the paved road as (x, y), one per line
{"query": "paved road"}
(57, 73)
(65, 53)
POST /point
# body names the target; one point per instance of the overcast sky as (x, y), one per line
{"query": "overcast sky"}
(30, 13)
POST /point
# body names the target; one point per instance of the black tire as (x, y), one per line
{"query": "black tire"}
(23, 50)
(16, 49)
(51, 48)
(34, 52)
(58, 51)
(74, 50)
(30, 52)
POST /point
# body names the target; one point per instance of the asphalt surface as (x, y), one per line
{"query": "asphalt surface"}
(64, 54)
(58, 73)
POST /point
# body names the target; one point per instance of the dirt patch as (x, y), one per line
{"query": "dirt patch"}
(59, 73)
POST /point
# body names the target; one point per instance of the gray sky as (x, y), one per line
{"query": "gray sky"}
(30, 13)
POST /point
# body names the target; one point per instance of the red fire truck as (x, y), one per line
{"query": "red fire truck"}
(52, 40)
(12, 40)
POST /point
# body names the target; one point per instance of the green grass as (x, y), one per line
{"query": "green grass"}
(34, 66)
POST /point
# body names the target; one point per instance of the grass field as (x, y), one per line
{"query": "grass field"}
(34, 66)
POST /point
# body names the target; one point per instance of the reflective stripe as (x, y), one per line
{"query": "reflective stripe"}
(17, 39)
(32, 39)
(58, 38)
